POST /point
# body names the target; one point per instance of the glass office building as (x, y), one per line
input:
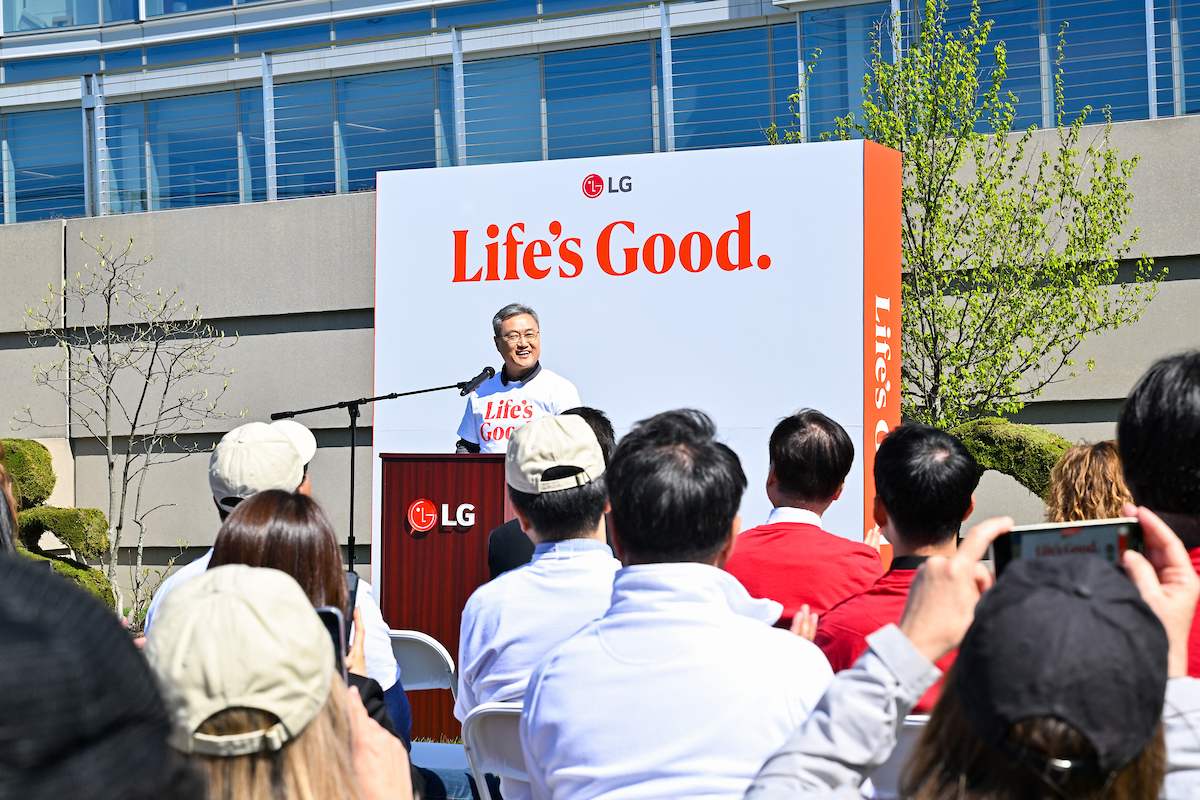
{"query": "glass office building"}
(118, 106)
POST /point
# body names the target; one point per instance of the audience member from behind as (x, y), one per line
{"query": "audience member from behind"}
(1159, 438)
(247, 670)
(257, 457)
(1086, 483)
(1058, 690)
(291, 533)
(80, 714)
(790, 558)
(507, 545)
(555, 475)
(8, 513)
(682, 688)
(924, 485)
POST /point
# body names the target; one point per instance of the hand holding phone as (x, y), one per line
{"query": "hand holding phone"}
(1107, 538)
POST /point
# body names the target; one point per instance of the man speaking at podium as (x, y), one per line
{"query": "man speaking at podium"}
(523, 391)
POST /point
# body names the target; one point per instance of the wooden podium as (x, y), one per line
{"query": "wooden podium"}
(437, 511)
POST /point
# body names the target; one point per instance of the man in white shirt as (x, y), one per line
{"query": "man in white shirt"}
(256, 457)
(523, 391)
(682, 688)
(555, 476)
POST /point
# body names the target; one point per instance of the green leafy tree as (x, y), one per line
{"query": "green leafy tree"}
(1011, 239)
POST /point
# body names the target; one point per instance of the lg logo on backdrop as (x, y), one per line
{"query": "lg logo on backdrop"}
(593, 185)
(423, 516)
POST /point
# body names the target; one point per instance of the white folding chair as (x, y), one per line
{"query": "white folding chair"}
(491, 735)
(424, 663)
(886, 779)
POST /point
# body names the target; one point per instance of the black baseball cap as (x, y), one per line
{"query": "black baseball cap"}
(1067, 637)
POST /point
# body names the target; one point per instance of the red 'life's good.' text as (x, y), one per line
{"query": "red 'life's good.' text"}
(619, 250)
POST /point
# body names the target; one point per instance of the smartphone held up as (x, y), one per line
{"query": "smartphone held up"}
(1106, 538)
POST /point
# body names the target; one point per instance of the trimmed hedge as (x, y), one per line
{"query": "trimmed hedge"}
(91, 580)
(1026, 452)
(33, 475)
(84, 530)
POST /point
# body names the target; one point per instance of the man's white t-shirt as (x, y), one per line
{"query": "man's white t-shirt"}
(497, 407)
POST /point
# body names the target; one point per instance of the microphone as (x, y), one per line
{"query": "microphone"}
(476, 382)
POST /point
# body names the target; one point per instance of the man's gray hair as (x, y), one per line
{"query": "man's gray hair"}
(512, 310)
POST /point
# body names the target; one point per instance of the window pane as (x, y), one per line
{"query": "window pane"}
(32, 15)
(252, 147)
(156, 8)
(1185, 66)
(193, 158)
(317, 35)
(44, 69)
(599, 101)
(304, 138)
(843, 36)
(1015, 23)
(120, 10)
(503, 104)
(444, 117)
(480, 13)
(386, 122)
(722, 88)
(785, 72)
(45, 150)
(389, 25)
(201, 49)
(123, 59)
(550, 7)
(1105, 61)
(126, 128)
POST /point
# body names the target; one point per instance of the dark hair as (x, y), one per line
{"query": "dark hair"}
(811, 455)
(924, 477)
(286, 531)
(565, 514)
(1159, 436)
(675, 489)
(601, 426)
(952, 762)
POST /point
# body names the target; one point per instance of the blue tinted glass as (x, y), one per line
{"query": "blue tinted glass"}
(193, 159)
(480, 13)
(1015, 23)
(43, 69)
(550, 7)
(200, 50)
(304, 138)
(447, 155)
(119, 10)
(123, 59)
(390, 25)
(33, 15)
(1164, 58)
(156, 8)
(1185, 55)
(252, 147)
(47, 161)
(785, 74)
(125, 126)
(385, 121)
(599, 101)
(722, 87)
(284, 39)
(1105, 61)
(843, 35)
(503, 104)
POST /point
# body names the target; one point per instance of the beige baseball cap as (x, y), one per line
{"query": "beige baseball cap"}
(240, 637)
(255, 457)
(536, 447)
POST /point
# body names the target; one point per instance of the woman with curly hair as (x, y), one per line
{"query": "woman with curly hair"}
(1086, 483)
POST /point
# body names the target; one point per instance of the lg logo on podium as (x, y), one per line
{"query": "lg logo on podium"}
(423, 517)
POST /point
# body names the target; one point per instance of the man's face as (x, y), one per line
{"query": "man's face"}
(518, 344)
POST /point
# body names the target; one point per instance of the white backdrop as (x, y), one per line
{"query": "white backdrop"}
(748, 346)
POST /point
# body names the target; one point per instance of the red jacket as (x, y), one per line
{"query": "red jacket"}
(842, 633)
(797, 563)
(1194, 638)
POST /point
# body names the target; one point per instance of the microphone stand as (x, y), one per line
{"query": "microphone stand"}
(354, 408)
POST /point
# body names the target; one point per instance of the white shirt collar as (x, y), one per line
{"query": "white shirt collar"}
(676, 585)
(789, 514)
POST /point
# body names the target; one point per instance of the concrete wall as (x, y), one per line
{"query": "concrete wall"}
(295, 280)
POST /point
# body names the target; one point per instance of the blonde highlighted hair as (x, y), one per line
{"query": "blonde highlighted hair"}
(315, 765)
(1087, 483)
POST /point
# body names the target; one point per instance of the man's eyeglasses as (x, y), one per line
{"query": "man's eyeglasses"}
(514, 337)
